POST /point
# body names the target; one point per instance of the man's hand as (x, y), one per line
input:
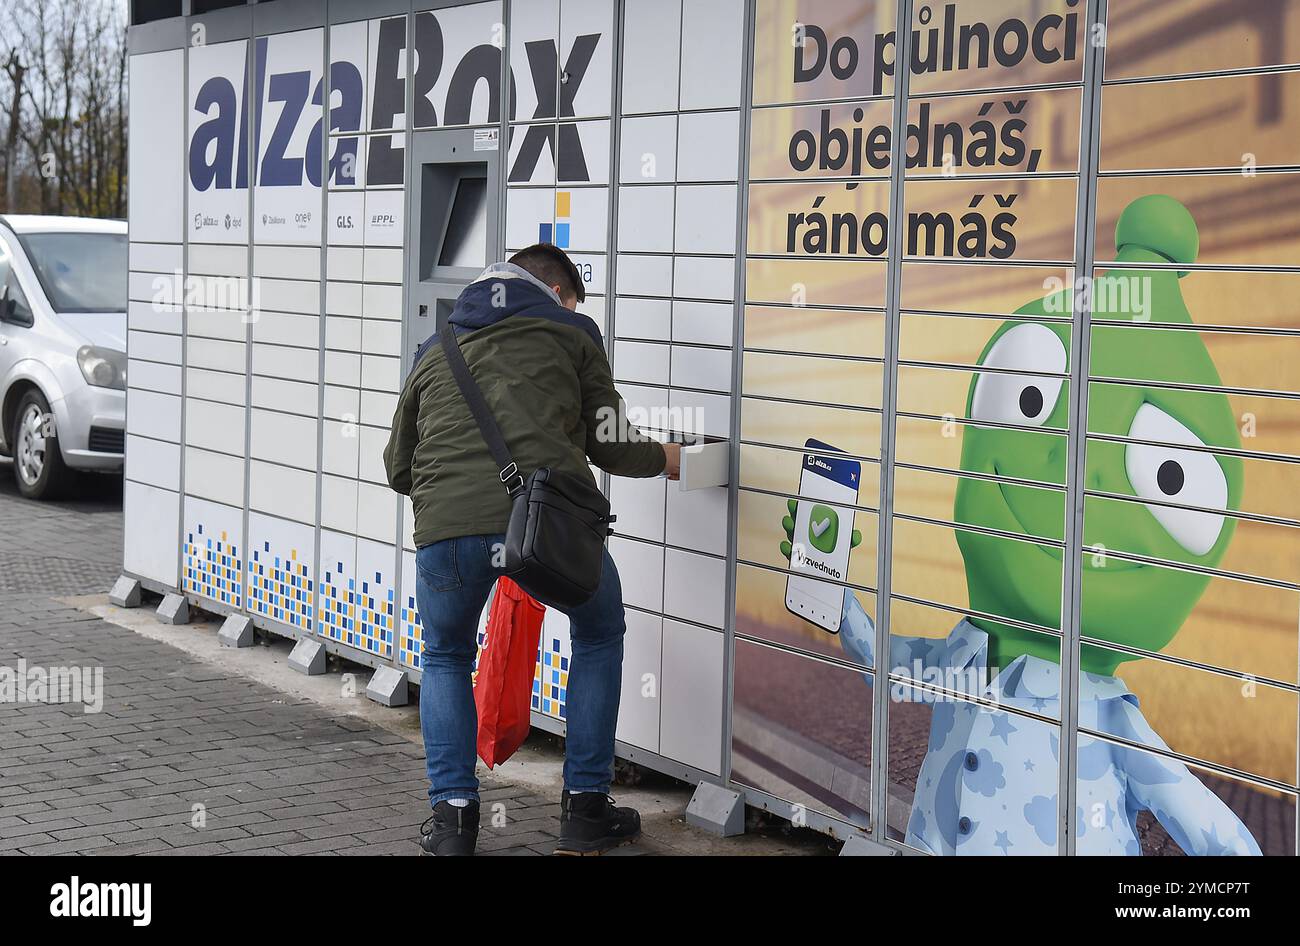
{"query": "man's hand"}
(673, 460)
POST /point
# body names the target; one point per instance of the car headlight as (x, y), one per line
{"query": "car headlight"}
(102, 367)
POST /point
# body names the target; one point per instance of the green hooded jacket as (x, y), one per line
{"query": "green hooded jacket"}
(543, 372)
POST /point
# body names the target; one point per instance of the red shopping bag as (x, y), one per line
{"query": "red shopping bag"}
(503, 686)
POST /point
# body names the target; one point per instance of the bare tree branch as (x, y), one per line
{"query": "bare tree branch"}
(65, 131)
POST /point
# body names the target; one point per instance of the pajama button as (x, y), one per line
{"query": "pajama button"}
(972, 761)
(963, 824)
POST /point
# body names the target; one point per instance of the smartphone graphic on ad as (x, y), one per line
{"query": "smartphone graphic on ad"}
(823, 535)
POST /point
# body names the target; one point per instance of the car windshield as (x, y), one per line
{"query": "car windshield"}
(80, 272)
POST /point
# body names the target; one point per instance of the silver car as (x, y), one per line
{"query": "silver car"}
(63, 290)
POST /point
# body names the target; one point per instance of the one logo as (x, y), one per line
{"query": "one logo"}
(823, 528)
(559, 232)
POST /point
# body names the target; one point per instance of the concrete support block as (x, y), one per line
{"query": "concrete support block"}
(860, 845)
(716, 810)
(308, 656)
(236, 631)
(125, 592)
(174, 610)
(387, 687)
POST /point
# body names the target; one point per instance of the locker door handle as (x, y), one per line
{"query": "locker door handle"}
(424, 311)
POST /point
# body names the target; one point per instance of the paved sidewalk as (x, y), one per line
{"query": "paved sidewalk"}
(190, 756)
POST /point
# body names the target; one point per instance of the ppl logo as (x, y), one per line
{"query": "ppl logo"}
(558, 233)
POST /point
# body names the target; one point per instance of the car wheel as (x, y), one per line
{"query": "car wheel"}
(39, 469)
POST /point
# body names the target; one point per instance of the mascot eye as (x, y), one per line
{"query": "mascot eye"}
(1020, 399)
(1171, 475)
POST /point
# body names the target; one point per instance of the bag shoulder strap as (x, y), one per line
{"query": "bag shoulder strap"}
(478, 406)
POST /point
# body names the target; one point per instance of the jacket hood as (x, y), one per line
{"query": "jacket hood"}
(500, 291)
(504, 291)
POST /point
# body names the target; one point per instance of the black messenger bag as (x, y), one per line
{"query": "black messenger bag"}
(555, 541)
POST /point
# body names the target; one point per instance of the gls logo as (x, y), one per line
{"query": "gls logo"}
(219, 145)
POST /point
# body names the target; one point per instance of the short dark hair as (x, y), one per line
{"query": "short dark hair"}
(552, 266)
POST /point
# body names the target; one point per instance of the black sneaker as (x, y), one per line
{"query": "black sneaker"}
(590, 824)
(450, 831)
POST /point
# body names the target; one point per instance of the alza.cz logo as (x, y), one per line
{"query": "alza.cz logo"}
(202, 220)
(77, 899)
(218, 152)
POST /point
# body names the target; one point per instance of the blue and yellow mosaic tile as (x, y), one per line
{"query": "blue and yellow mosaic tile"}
(361, 617)
(280, 588)
(411, 641)
(213, 569)
(551, 679)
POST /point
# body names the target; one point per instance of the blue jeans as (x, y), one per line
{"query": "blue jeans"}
(454, 577)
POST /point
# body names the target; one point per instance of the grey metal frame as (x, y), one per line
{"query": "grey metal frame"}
(252, 108)
(286, 16)
(885, 522)
(737, 374)
(1076, 433)
(404, 366)
(326, 97)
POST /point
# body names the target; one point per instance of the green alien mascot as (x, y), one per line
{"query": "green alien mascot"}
(988, 783)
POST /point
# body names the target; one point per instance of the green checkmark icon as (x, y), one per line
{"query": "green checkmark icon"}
(823, 528)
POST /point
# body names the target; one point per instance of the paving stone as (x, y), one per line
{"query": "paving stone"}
(11, 844)
(495, 841)
(263, 842)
